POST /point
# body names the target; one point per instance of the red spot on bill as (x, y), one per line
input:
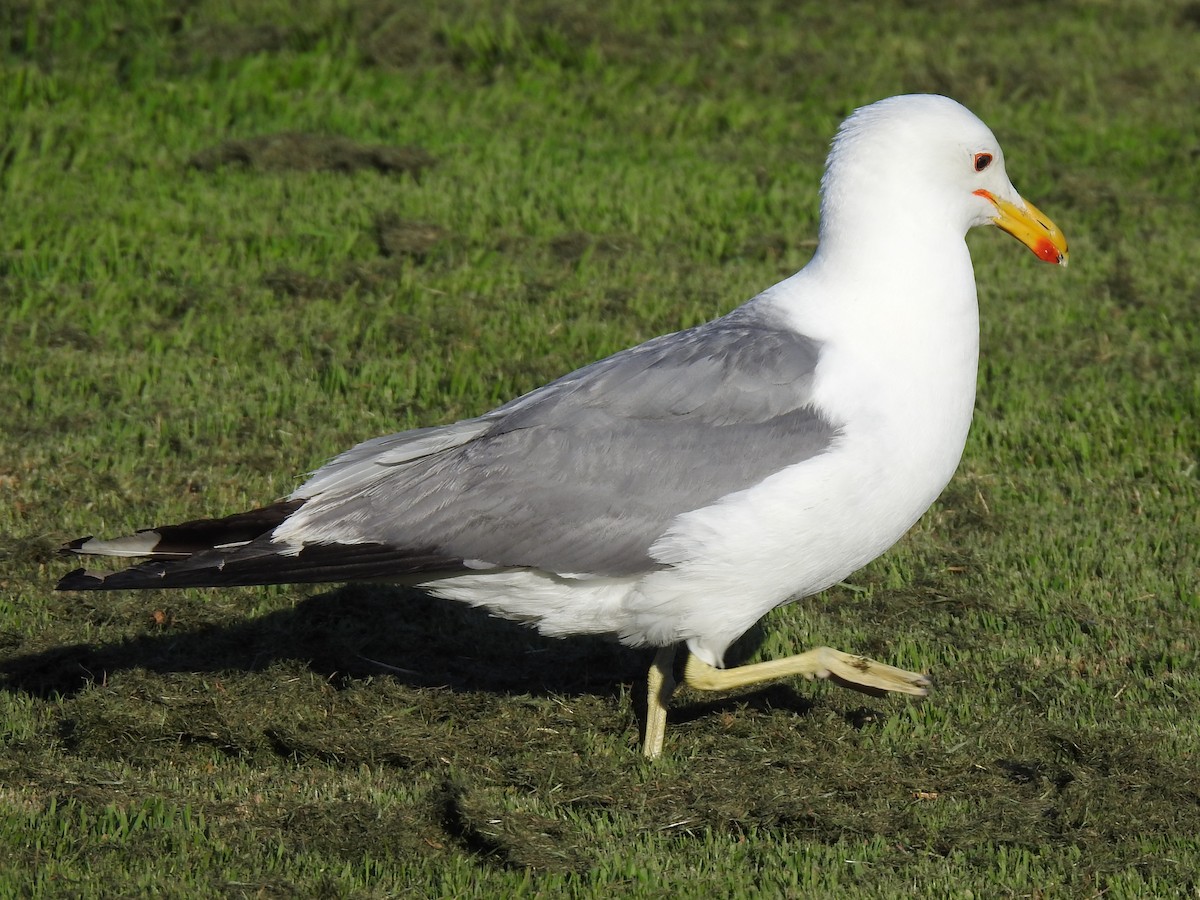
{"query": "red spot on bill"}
(1046, 251)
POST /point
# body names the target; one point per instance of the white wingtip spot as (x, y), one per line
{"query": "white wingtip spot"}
(140, 544)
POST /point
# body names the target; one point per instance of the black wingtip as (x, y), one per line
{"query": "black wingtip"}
(79, 579)
(71, 548)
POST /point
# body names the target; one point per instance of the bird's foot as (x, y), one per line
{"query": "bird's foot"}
(848, 670)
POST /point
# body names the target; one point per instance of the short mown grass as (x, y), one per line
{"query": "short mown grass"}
(239, 237)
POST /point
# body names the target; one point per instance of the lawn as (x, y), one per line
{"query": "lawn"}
(239, 237)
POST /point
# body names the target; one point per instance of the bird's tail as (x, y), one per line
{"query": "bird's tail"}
(239, 550)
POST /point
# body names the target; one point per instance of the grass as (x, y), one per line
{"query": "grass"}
(239, 237)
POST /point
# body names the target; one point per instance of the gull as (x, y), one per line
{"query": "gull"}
(674, 493)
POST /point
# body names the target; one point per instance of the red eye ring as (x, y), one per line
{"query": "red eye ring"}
(982, 161)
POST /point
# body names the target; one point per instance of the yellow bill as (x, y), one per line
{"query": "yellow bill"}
(1030, 227)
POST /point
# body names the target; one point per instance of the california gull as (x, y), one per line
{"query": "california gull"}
(676, 492)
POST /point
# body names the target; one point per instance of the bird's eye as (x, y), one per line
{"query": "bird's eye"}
(982, 161)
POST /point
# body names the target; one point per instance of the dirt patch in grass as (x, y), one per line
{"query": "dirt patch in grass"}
(285, 282)
(574, 247)
(372, 277)
(397, 237)
(221, 41)
(303, 152)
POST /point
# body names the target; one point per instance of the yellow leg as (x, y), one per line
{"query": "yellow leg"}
(824, 662)
(661, 682)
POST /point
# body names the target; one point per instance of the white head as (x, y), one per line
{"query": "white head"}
(925, 164)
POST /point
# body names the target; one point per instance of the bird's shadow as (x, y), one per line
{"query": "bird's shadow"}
(361, 631)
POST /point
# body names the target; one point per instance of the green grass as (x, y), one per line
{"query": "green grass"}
(238, 237)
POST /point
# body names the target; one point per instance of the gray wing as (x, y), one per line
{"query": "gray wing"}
(584, 474)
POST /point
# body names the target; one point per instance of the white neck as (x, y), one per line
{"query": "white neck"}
(899, 333)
